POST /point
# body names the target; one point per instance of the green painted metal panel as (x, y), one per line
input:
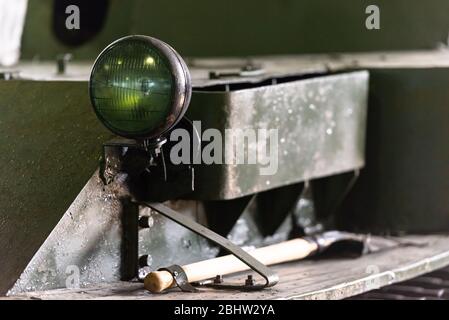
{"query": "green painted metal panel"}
(250, 27)
(405, 184)
(50, 142)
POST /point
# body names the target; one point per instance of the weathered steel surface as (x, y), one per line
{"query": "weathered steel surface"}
(49, 147)
(431, 286)
(312, 279)
(320, 124)
(85, 247)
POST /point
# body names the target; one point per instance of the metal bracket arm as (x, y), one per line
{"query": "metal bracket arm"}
(271, 278)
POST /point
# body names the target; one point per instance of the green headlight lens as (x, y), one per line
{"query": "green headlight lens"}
(132, 88)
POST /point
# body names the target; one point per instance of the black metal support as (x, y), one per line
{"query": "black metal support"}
(130, 251)
(271, 278)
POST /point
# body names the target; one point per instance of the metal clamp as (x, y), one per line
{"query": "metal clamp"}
(180, 278)
(271, 278)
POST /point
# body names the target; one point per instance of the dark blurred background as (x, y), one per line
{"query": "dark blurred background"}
(235, 27)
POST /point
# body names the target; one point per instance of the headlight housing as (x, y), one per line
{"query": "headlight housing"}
(139, 87)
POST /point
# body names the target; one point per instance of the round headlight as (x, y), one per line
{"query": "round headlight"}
(139, 87)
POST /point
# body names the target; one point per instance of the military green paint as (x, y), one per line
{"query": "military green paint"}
(50, 142)
(320, 121)
(405, 184)
(253, 27)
